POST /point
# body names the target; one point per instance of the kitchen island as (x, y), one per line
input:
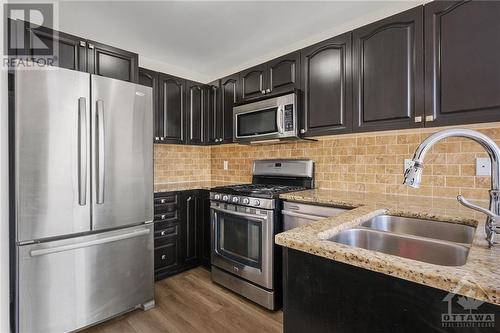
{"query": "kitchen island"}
(329, 285)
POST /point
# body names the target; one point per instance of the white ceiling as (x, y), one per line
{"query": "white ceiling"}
(205, 40)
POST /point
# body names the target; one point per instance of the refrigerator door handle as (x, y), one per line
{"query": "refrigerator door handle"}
(100, 152)
(62, 248)
(82, 151)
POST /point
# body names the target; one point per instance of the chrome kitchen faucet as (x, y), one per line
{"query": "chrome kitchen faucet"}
(413, 175)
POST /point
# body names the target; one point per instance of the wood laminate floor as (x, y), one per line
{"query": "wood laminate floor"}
(190, 302)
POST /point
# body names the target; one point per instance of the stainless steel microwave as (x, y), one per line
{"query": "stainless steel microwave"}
(266, 121)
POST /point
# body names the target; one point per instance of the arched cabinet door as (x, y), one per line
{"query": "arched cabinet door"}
(229, 87)
(253, 82)
(284, 73)
(196, 113)
(149, 78)
(462, 66)
(327, 87)
(171, 106)
(388, 73)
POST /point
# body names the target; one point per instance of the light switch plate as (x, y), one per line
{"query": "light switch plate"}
(483, 166)
(226, 165)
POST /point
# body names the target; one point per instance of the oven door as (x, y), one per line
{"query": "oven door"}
(242, 243)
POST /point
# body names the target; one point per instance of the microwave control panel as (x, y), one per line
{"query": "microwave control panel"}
(288, 117)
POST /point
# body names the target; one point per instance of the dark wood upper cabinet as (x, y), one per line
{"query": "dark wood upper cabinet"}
(275, 77)
(214, 119)
(60, 49)
(327, 87)
(195, 115)
(171, 99)
(112, 62)
(284, 73)
(388, 73)
(150, 78)
(462, 67)
(229, 87)
(253, 82)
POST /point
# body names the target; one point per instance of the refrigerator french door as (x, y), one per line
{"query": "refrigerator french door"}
(83, 198)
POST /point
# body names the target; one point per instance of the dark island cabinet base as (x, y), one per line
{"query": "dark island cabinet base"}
(322, 295)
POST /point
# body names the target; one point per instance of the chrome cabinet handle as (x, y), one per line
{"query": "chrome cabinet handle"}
(418, 119)
(163, 256)
(162, 201)
(62, 248)
(82, 43)
(100, 152)
(268, 91)
(163, 233)
(429, 118)
(263, 92)
(82, 151)
(91, 46)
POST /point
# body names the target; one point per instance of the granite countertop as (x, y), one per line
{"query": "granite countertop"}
(185, 186)
(478, 278)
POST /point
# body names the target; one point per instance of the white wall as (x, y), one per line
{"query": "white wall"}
(4, 211)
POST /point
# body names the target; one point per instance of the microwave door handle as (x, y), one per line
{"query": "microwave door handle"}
(279, 119)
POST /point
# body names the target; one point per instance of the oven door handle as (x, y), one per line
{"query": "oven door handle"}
(232, 212)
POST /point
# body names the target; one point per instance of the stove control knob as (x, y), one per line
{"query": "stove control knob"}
(256, 202)
(225, 198)
(236, 199)
(246, 201)
(217, 197)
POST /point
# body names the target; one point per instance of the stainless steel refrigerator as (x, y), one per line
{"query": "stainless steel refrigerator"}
(82, 190)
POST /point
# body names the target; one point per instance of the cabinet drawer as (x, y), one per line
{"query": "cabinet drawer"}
(166, 231)
(165, 199)
(166, 216)
(166, 255)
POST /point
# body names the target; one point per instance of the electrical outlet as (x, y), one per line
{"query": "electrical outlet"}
(408, 163)
(226, 165)
(483, 166)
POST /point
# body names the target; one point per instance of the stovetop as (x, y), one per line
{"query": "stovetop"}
(269, 191)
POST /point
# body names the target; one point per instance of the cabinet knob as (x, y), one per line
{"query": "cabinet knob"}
(157, 138)
(418, 119)
(163, 233)
(429, 118)
(268, 91)
(162, 138)
(163, 257)
(82, 43)
(163, 217)
(302, 131)
(220, 140)
(91, 46)
(263, 92)
(216, 140)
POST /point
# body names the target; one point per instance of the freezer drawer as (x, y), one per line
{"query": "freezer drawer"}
(69, 284)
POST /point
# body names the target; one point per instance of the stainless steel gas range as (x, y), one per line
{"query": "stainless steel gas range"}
(245, 219)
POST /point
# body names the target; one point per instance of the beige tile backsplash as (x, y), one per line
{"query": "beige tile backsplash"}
(368, 162)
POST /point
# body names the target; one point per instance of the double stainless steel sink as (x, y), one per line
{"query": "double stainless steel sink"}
(439, 243)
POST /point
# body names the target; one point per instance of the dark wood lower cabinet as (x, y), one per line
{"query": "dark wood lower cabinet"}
(322, 295)
(182, 231)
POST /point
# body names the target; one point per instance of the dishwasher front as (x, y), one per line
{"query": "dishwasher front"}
(298, 214)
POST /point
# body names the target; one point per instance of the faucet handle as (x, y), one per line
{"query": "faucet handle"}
(494, 217)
